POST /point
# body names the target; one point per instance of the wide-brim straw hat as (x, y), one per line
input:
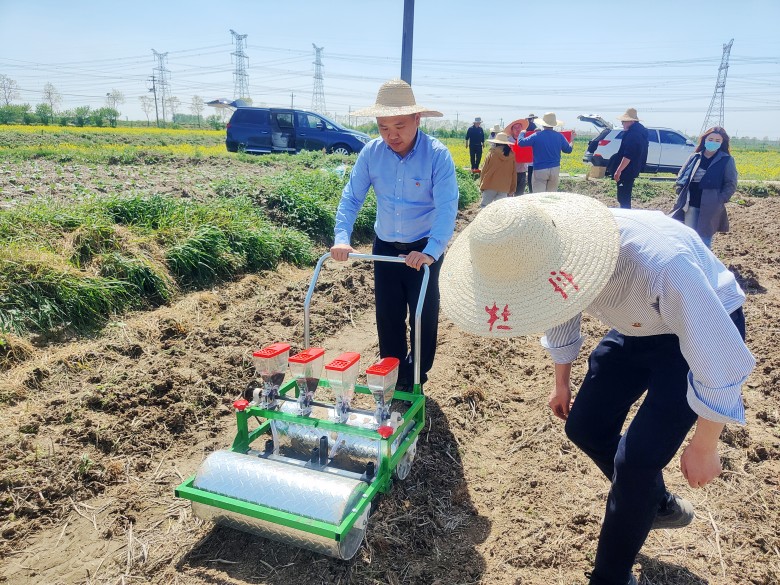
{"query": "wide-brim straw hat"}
(526, 264)
(396, 98)
(550, 120)
(523, 126)
(500, 138)
(495, 128)
(629, 116)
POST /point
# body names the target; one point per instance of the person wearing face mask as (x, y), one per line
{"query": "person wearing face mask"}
(705, 183)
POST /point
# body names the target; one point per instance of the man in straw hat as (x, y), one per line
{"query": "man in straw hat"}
(630, 157)
(534, 263)
(413, 176)
(475, 141)
(547, 147)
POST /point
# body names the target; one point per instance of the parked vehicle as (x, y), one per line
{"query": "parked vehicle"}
(666, 153)
(263, 130)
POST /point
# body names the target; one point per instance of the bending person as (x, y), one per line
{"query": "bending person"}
(534, 263)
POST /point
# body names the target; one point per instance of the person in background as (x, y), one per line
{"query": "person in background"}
(547, 147)
(513, 130)
(498, 173)
(475, 140)
(705, 184)
(631, 156)
(413, 176)
(676, 346)
(495, 129)
(531, 128)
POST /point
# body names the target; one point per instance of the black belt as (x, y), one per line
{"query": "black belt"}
(410, 245)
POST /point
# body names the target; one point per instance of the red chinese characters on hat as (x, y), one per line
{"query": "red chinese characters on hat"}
(494, 316)
(561, 281)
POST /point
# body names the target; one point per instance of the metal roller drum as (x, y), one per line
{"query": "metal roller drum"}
(281, 486)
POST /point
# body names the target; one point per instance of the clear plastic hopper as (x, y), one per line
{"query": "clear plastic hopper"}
(382, 377)
(270, 365)
(306, 368)
(342, 375)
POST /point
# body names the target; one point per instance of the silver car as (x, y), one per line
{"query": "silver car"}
(666, 153)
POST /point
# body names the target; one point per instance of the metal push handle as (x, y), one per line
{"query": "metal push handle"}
(375, 258)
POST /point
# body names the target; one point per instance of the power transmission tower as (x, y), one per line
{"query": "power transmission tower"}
(318, 94)
(713, 117)
(163, 90)
(240, 76)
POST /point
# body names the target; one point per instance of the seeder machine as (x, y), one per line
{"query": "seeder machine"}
(307, 472)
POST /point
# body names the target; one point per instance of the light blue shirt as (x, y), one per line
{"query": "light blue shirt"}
(667, 281)
(417, 195)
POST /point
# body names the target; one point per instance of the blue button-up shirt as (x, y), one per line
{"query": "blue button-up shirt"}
(667, 281)
(417, 195)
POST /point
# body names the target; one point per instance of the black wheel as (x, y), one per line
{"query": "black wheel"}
(341, 149)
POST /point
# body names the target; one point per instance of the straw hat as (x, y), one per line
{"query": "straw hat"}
(496, 128)
(500, 138)
(629, 116)
(523, 125)
(396, 98)
(478, 120)
(526, 264)
(550, 120)
(531, 117)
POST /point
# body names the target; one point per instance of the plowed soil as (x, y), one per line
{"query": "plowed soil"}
(95, 435)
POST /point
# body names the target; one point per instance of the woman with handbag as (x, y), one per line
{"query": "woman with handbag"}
(704, 185)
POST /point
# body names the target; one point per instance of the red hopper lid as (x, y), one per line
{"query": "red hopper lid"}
(307, 355)
(272, 350)
(345, 361)
(383, 366)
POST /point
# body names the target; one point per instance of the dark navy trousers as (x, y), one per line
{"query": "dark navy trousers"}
(397, 288)
(620, 369)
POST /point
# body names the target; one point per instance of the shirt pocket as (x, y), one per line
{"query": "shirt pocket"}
(418, 190)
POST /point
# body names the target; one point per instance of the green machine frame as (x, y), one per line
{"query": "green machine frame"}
(414, 421)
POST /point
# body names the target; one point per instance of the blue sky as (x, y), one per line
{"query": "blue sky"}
(496, 60)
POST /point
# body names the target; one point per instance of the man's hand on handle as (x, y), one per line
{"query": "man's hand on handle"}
(417, 259)
(341, 252)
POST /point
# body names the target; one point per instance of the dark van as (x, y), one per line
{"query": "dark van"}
(261, 130)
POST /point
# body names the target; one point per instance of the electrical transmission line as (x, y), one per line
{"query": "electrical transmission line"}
(240, 76)
(161, 75)
(713, 117)
(318, 93)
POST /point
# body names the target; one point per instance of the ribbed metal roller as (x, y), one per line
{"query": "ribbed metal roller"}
(289, 488)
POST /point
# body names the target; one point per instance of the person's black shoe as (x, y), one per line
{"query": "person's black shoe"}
(675, 512)
(632, 580)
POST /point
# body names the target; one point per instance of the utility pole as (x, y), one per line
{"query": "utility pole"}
(153, 89)
(162, 80)
(240, 81)
(407, 42)
(318, 94)
(292, 103)
(714, 118)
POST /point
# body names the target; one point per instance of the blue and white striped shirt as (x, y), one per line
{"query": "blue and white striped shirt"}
(667, 281)
(417, 196)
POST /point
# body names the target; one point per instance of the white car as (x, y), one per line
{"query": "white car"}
(666, 153)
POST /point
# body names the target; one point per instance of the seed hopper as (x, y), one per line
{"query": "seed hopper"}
(306, 472)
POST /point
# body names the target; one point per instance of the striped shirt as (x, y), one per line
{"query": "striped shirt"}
(667, 281)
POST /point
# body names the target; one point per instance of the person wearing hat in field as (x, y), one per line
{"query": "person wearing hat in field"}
(547, 148)
(531, 128)
(535, 263)
(513, 131)
(498, 174)
(475, 140)
(630, 157)
(413, 176)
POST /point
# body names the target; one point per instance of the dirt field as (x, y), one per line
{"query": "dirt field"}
(95, 434)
